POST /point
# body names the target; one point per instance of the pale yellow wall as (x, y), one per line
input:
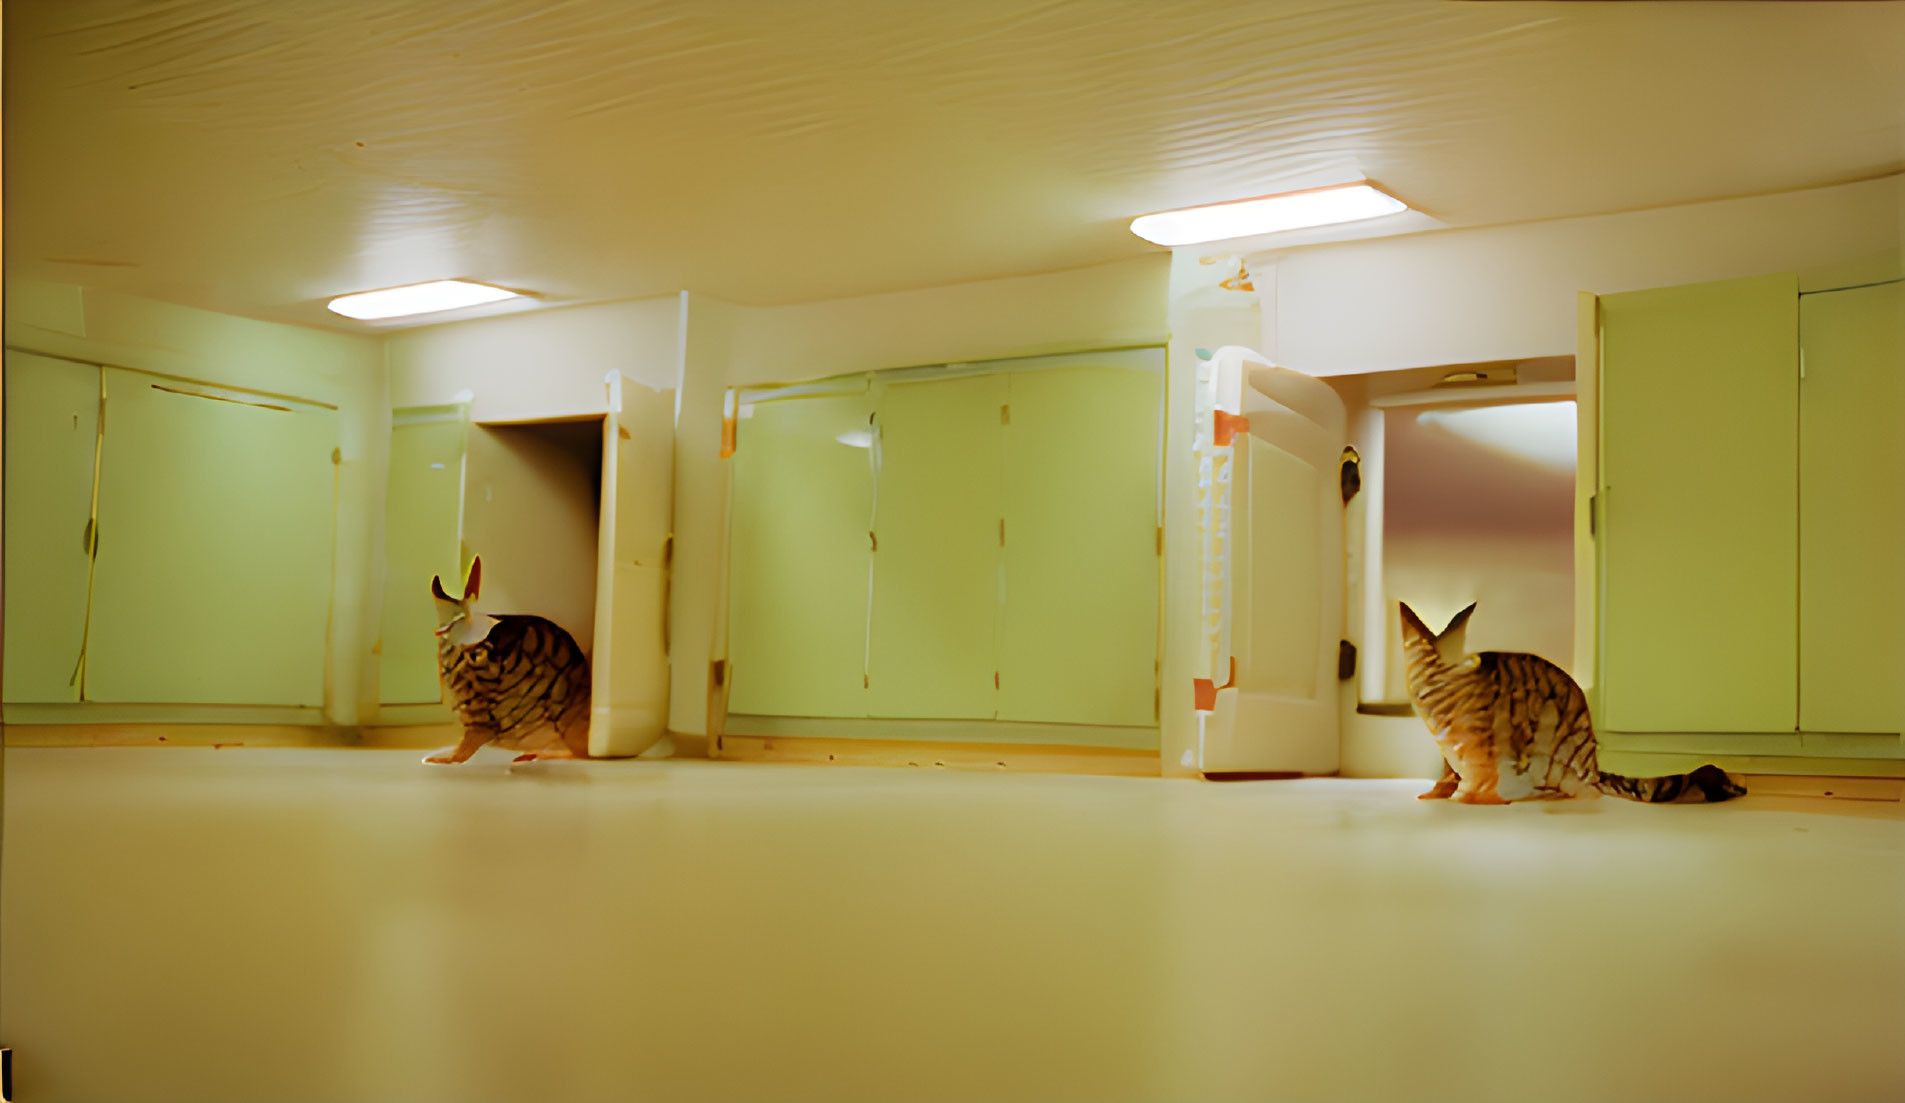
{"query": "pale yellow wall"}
(530, 510)
(1107, 305)
(1523, 587)
(724, 345)
(1387, 746)
(550, 363)
(1506, 292)
(343, 370)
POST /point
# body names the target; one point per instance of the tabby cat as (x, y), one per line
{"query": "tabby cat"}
(1514, 727)
(517, 681)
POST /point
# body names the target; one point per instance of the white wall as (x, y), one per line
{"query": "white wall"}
(343, 370)
(1106, 305)
(550, 363)
(1508, 292)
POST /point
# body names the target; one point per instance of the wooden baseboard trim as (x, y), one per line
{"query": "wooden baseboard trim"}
(988, 757)
(409, 737)
(1008, 733)
(1890, 789)
(178, 735)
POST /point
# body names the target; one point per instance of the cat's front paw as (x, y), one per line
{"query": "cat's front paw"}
(441, 758)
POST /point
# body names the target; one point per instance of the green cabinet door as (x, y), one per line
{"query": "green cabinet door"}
(932, 653)
(52, 426)
(1078, 642)
(798, 559)
(1700, 502)
(423, 507)
(1851, 510)
(216, 532)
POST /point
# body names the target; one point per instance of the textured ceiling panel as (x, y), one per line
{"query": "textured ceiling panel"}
(260, 156)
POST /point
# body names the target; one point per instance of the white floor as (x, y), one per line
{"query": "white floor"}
(265, 925)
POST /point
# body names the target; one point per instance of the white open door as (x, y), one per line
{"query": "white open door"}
(630, 664)
(1275, 706)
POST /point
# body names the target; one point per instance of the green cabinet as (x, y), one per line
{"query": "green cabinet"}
(167, 542)
(1749, 508)
(974, 546)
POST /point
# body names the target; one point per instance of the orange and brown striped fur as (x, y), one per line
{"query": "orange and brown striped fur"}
(1514, 727)
(517, 681)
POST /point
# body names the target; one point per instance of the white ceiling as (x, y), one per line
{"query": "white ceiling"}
(261, 156)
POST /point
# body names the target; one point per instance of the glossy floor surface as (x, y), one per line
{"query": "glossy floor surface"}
(197, 924)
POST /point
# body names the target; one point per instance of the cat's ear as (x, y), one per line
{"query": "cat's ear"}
(436, 590)
(1412, 625)
(476, 579)
(1452, 641)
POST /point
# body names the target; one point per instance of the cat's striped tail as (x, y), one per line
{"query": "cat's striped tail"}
(1710, 783)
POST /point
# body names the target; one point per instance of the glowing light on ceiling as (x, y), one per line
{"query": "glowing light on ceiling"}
(417, 298)
(1298, 210)
(1540, 431)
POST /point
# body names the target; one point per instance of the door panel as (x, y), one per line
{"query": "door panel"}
(1283, 713)
(1852, 510)
(1277, 594)
(629, 653)
(1080, 629)
(213, 582)
(52, 427)
(423, 510)
(933, 649)
(799, 558)
(1699, 550)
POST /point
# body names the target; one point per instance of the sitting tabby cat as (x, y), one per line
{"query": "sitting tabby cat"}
(1515, 727)
(517, 681)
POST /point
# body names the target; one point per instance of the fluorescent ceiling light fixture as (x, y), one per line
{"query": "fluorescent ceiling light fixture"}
(1297, 210)
(1540, 431)
(417, 298)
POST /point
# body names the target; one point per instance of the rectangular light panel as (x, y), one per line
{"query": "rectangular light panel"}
(1267, 215)
(417, 298)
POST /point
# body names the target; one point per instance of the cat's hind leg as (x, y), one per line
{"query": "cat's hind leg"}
(567, 736)
(1480, 786)
(572, 728)
(1445, 787)
(1477, 796)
